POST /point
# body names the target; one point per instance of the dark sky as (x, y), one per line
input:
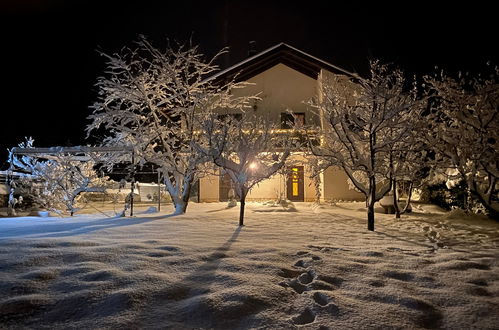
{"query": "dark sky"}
(50, 64)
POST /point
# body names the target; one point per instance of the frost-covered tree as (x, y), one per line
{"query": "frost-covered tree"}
(247, 147)
(407, 154)
(149, 99)
(362, 120)
(464, 133)
(54, 182)
(407, 165)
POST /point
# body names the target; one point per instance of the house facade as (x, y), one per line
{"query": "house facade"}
(285, 78)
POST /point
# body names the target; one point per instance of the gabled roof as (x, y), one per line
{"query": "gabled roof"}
(281, 53)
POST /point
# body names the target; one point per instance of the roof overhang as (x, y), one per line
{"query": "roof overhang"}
(281, 53)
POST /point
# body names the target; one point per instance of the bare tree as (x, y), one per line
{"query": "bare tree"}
(149, 99)
(464, 132)
(407, 165)
(247, 147)
(362, 121)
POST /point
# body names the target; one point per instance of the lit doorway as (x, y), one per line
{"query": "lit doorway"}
(295, 184)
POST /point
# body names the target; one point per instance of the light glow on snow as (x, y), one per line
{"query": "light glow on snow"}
(319, 267)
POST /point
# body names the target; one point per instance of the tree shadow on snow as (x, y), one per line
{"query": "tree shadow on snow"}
(65, 229)
(182, 303)
(222, 209)
(406, 240)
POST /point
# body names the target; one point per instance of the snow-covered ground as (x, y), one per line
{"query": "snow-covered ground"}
(314, 267)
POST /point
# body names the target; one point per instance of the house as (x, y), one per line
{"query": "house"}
(285, 78)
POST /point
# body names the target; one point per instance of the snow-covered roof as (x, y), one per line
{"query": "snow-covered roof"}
(280, 53)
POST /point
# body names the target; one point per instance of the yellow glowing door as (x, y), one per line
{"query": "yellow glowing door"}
(294, 181)
(295, 184)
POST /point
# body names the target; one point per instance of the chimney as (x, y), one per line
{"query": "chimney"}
(252, 48)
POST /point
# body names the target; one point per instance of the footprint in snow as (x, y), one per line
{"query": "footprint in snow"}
(401, 276)
(307, 277)
(288, 273)
(321, 299)
(305, 317)
(301, 263)
(479, 282)
(299, 283)
(297, 286)
(377, 284)
(309, 280)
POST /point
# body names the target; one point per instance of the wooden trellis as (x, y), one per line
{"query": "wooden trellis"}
(81, 153)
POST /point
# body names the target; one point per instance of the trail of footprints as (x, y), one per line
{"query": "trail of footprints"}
(303, 278)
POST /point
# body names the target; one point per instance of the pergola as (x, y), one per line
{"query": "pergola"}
(81, 153)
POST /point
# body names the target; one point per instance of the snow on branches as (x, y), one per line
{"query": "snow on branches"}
(53, 182)
(364, 121)
(247, 147)
(150, 99)
(464, 132)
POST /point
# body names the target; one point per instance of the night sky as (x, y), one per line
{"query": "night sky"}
(50, 64)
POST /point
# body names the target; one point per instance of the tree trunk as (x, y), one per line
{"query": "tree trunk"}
(181, 202)
(72, 203)
(395, 199)
(370, 218)
(180, 207)
(241, 211)
(242, 200)
(12, 201)
(370, 203)
(11, 212)
(372, 181)
(485, 200)
(186, 194)
(493, 213)
(409, 195)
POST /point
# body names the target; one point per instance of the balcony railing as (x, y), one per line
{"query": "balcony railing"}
(300, 138)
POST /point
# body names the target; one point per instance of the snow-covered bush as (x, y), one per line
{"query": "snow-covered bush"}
(448, 198)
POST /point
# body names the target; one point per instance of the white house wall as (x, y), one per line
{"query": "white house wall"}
(209, 188)
(268, 189)
(336, 186)
(280, 89)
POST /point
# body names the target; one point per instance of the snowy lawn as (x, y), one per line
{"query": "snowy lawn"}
(315, 267)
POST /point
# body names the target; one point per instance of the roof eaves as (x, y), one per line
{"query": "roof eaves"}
(321, 61)
(268, 50)
(247, 60)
